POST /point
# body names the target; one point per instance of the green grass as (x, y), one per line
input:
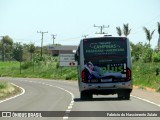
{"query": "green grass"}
(44, 70)
(144, 74)
(9, 68)
(3, 85)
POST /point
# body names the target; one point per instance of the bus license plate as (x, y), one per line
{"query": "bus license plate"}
(106, 80)
(94, 80)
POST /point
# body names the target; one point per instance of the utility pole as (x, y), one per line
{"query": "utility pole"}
(101, 29)
(41, 40)
(85, 36)
(53, 36)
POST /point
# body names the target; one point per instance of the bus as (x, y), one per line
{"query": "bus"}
(104, 67)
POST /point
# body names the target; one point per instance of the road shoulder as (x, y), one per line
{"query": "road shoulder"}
(147, 94)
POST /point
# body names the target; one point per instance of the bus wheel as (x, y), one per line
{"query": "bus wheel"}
(120, 95)
(124, 95)
(89, 96)
(127, 95)
(85, 95)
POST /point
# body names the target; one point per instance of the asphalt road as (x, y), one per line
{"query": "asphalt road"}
(52, 95)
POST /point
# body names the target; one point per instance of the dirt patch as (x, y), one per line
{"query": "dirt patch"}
(150, 89)
(145, 88)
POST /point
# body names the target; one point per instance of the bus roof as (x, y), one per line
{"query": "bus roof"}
(103, 37)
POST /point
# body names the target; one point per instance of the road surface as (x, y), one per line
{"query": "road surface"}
(58, 95)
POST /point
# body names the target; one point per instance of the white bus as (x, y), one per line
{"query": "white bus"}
(104, 67)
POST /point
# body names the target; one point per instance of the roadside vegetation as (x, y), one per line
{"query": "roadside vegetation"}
(7, 90)
(48, 68)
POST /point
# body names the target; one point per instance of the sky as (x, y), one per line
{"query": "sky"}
(70, 20)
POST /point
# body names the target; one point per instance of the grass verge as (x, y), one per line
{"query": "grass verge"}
(144, 75)
(8, 90)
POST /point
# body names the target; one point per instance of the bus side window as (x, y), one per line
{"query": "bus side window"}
(77, 57)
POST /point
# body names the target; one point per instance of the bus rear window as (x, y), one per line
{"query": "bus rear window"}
(105, 47)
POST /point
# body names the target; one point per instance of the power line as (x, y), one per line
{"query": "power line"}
(41, 39)
(78, 37)
(152, 19)
(149, 24)
(101, 29)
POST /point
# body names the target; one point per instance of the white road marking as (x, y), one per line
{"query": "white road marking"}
(65, 117)
(23, 91)
(68, 111)
(72, 103)
(146, 100)
(70, 107)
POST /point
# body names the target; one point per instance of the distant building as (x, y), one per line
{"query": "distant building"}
(61, 49)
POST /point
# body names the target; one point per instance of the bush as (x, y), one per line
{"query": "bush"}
(57, 65)
(137, 51)
(147, 55)
(156, 57)
(72, 75)
(135, 59)
(26, 65)
(68, 77)
(3, 85)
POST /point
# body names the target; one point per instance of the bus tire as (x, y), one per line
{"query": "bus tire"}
(120, 95)
(124, 95)
(127, 95)
(89, 96)
(85, 95)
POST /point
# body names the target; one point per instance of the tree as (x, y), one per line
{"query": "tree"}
(137, 50)
(126, 30)
(6, 47)
(119, 31)
(148, 34)
(18, 52)
(31, 49)
(159, 36)
(7, 40)
(147, 53)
